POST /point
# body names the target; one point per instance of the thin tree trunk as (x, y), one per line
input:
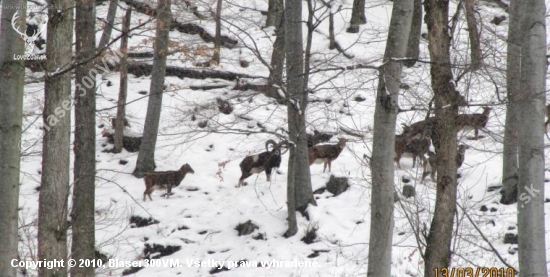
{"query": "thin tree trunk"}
(531, 225)
(106, 35)
(218, 39)
(331, 36)
(413, 47)
(54, 189)
(291, 200)
(277, 62)
(12, 75)
(83, 210)
(385, 115)
(297, 104)
(274, 12)
(447, 99)
(121, 104)
(473, 31)
(357, 16)
(509, 192)
(146, 157)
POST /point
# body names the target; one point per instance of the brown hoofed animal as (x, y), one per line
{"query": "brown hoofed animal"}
(419, 129)
(264, 161)
(326, 153)
(474, 121)
(415, 147)
(547, 117)
(432, 161)
(165, 180)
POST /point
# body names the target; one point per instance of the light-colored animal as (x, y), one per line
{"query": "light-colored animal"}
(432, 161)
(474, 121)
(165, 180)
(264, 161)
(326, 153)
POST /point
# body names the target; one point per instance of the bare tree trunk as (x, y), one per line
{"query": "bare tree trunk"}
(121, 104)
(357, 16)
(531, 225)
(413, 47)
(291, 199)
(331, 36)
(473, 31)
(297, 104)
(511, 128)
(277, 62)
(54, 189)
(106, 35)
(12, 75)
(218, 39)
(385, 115)
(438, 248)
(275, 12)
(83, 210)
(146, 157)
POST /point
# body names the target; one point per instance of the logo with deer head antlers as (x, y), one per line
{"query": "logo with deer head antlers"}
(29, 40)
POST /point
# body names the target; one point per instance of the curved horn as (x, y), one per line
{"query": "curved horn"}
(284, 145)
(268, 142)
(15, 26)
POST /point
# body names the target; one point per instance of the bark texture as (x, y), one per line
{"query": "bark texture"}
(438, 248)
(106, 35)
(275, 81)
(476, 58)
(83, 210)
(509, 192)
(413, 47)
(357, 16)
(217, 39)
(121, 103)
(54, 189)
(300, 179)
(531, 233)
(146, 157)
(382, 164)
(275, 12)
(12, 74)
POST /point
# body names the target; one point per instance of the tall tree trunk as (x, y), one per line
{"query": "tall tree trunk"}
(54, 189)
(217, 39)
(509, 192)
(331, 36)
(277, 62)
(121, 104)
(106, 35)
(413, 47)
(297, 104)
(146, 157)
(532, 247)
(473, 31)
(83, 210)
(274, 12)
(385, 115)
(438, 252)
(12, 75)
(357, 16)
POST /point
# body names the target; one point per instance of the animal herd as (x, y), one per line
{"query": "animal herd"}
(414, 141)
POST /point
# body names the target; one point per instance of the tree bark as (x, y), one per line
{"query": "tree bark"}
(277, 62)
(297, 104)
(531, 225)
(382, 165)
(83, 210)
(447, 99)
(54, 189)
(357, 16)
(12, 75)
(476, 57)
(217, 40)
(413, 46)
(275, 12)
(146, 157)
(121, 104)
(509, 192)
(106, 35)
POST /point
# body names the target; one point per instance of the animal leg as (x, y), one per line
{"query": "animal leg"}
(397, 160)
(168, 190)
(329, 166)
(268, 174)
(414, 161)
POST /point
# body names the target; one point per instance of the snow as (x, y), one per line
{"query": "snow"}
(202, 214)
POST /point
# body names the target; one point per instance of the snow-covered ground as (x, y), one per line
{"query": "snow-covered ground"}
(202, 214)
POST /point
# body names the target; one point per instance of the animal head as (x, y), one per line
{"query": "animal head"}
(487, 110)
(187, 168)
(277, 148)
(463, 147)
(342, 142)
